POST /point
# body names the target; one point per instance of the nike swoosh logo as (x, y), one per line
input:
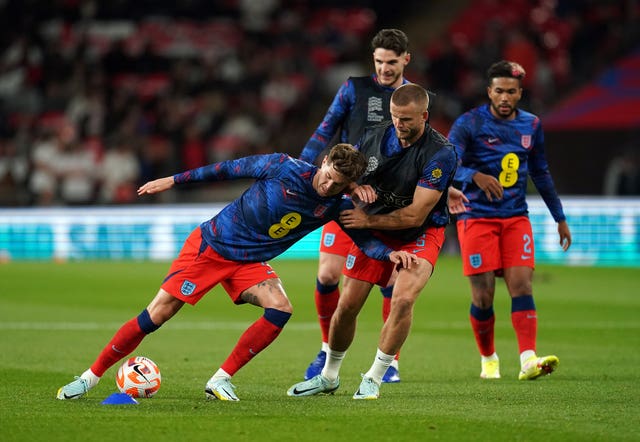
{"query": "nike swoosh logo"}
(66, 396)
(289, 192)
(136, 368)
(252, 352)
(524, 257)
(114, 348)
(296, 391)
(492, 140)
(417, 250)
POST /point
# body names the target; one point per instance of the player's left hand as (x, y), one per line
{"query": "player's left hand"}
(354, 218)
(565, 235)
(363, 194)
(405, 259)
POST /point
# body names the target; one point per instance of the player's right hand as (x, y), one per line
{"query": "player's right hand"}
(489, 185)
(405, 259)
(156, 186)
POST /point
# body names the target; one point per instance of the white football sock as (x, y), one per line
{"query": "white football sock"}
(332, 366)
(526, 355)
(379, 367)
(493, 357)
(90, 377)
(220, 374)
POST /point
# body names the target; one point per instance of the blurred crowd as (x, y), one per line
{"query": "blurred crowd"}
(99, 97)
(560, 43)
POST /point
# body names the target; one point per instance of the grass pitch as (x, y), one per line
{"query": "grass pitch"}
(55, 318)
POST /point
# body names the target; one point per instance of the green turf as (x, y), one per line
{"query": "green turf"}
(54, 318)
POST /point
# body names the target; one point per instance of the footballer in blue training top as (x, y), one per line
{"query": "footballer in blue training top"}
(499, 146)
(279, 209)
(509, 150)
(361, 101)
(356, 97)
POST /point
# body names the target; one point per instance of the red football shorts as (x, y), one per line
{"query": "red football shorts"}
(199, 268)
(334, 240)
(493, 244)
(360, 266)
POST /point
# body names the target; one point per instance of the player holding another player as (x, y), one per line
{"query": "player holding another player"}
(288, 199)
(498, 146)
(410, 170)
(360, 102)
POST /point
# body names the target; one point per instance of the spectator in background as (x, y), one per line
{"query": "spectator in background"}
(241, 132)
(119, 173)
(76, 168)
(14, 167)
(43, 179)
(622, 177)
(193, 151)
(49, 63)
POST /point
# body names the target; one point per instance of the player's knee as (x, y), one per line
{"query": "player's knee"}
(402, 305)
(520, 288)
(328, 276)
(347, 310)
(281, 303)
(330, 270)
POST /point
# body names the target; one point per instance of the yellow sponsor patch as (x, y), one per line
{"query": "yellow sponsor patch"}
(509, 174)
(288, 222)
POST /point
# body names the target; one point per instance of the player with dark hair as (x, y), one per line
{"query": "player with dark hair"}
(360, 102)
(410, 169)
(498, 147)
(288, 199)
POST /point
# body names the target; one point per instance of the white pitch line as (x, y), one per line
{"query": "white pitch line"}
(303, 326)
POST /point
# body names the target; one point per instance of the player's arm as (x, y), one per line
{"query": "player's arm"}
(376, 249)
(413, 215)
(456, 203)
(460, 136)
(428, 192)
(541, 178)
(336, 115)
(255, 166)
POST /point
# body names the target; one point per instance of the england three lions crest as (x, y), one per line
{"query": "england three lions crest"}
(525, 141)
(372, 165)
